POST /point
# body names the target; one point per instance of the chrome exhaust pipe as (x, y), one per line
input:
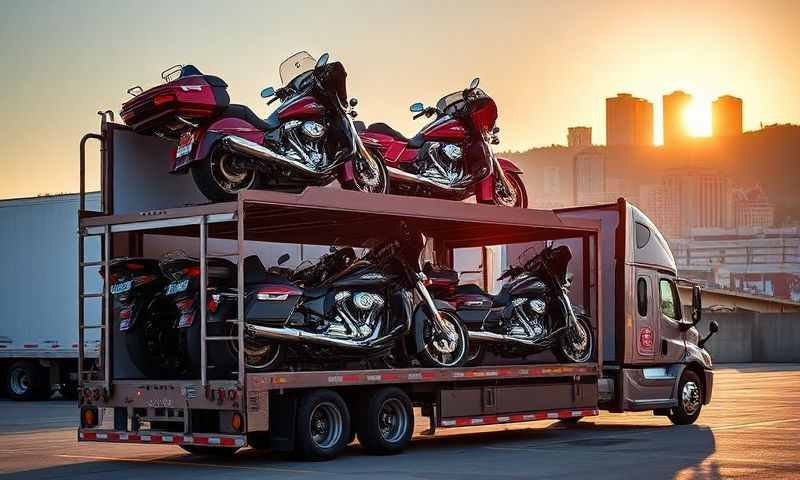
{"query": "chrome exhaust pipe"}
(286, 334)
(247, 148)
(483, 336)
(398, 174)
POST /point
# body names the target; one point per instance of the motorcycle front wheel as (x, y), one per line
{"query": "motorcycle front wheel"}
(439, 352)
(514, 195)
(369, 174)
(576, 345)
(218, 178)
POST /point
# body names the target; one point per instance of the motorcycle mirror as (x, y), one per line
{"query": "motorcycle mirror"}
(353, 102)
(283, 258)
(417, 107)
(474, 83)
(267, 92)
(548, 243)
(323, 59)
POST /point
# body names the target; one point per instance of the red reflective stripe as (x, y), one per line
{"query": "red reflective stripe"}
(228, 441)
(351, 378)
(201, 440)
(30, 345)
(89, 435)
(428, 375)
(390, 376)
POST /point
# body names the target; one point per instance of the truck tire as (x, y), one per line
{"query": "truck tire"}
(690, 399)
(25, 380)
(323, 425)
(386, 421)
(210, 451)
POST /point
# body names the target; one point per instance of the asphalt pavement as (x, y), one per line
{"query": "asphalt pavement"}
(750, 430)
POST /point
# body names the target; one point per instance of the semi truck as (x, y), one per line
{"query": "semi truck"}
(649, 356)
(38, 333)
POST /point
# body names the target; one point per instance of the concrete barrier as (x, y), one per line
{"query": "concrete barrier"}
(753, 337)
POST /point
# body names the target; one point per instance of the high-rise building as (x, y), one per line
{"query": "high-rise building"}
(579, 136)
(629, 120)
(726, 116)
(675, 128)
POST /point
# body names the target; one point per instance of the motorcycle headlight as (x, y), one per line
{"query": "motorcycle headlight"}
(452, 151)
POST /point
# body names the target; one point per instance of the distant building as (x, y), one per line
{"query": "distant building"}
(726, 116)
(675, 128)
(629, 121)
(579, 136)
(753, 208)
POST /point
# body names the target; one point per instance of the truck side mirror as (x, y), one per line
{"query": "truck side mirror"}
(697, 304)
(713, 328)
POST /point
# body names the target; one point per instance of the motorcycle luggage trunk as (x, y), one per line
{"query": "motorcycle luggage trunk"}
(192, 97)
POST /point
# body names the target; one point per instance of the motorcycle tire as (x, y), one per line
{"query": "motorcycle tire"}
(430, 357)
(206, 173)
(149, 327)
(561, 348)
(518, 185)
(382, 180)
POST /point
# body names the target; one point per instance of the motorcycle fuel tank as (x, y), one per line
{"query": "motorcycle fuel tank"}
(446, 129)
(300, 108)
(529, 286)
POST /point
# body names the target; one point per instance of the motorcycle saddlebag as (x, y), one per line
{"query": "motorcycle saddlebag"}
(192, 96)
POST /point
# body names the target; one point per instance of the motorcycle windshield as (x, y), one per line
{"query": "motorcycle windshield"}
(296, 65)
(454, 102)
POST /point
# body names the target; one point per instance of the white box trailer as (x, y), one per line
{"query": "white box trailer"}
(38, 320)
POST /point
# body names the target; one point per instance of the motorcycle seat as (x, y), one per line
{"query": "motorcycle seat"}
(385, 129)
(244, 113)
(314, 293)
(499, 300)
(254, 272)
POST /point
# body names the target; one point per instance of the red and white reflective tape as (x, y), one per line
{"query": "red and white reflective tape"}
(122, 437)
(522, 417)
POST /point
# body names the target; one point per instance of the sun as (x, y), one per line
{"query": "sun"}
(698, 117)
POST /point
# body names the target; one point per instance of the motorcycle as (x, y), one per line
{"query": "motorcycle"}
(531, 313)
(358, 308)
(452, 156)
(308, 140)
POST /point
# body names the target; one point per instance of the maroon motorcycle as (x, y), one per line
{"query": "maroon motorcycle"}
(309, 139)
(451, 157)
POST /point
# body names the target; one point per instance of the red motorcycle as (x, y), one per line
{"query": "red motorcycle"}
(451, 157)
(309, 139)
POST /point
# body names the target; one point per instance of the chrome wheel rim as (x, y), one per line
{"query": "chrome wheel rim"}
(326, 425)
(228, 177)
(577, 343)
(20, 382)
(367, 175)
(260, 355)
(506, 194)
(690, 397)
(444, 351)
(393, 420)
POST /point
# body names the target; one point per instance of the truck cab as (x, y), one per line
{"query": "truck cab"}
(653, 356)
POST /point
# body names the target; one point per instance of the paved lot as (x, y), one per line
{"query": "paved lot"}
(750, 430)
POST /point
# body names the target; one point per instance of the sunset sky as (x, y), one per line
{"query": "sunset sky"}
(549, 65)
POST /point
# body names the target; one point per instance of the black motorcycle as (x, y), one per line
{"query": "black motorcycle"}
(346, 307)
(532, 312)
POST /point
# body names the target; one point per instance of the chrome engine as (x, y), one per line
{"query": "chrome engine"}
(358, 315)
(305, 142)
(443, 163)
(528, 320)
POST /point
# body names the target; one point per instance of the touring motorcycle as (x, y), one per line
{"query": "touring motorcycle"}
(308, 140)
(531, 313)
(358, 308)
(452, 156)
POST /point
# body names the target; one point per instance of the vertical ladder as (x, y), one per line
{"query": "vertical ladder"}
(238, 321)
(103, 326)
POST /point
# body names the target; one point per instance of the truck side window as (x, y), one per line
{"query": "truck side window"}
(670, 301)
(642, 235)
(641, 296)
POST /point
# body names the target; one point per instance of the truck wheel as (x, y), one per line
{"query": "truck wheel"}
(323, 425)
(27, 381)
(386, 422)
(210, 451)
(690, 399)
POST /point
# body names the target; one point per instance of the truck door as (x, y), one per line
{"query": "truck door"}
(672, 345)
(647, 314)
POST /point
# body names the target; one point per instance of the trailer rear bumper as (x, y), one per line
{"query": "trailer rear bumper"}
(114, 436)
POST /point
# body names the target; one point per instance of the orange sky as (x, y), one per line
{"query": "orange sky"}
(548, 65)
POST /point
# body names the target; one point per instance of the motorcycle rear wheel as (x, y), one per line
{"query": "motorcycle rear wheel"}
(218, 179)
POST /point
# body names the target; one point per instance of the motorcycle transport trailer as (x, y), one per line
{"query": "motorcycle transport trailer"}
(273, 408)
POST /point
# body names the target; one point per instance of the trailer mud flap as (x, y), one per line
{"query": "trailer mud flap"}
(282, 427)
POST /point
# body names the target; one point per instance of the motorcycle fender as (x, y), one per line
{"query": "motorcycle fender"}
(415, 342)
(207, 137)
(484, 190)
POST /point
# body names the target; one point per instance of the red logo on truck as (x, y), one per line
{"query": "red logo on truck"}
(646, 338)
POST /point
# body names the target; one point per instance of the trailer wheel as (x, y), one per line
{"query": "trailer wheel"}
(690, 399)
(210, 451)
(27, 381)
(386, 422)
(323, 425)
